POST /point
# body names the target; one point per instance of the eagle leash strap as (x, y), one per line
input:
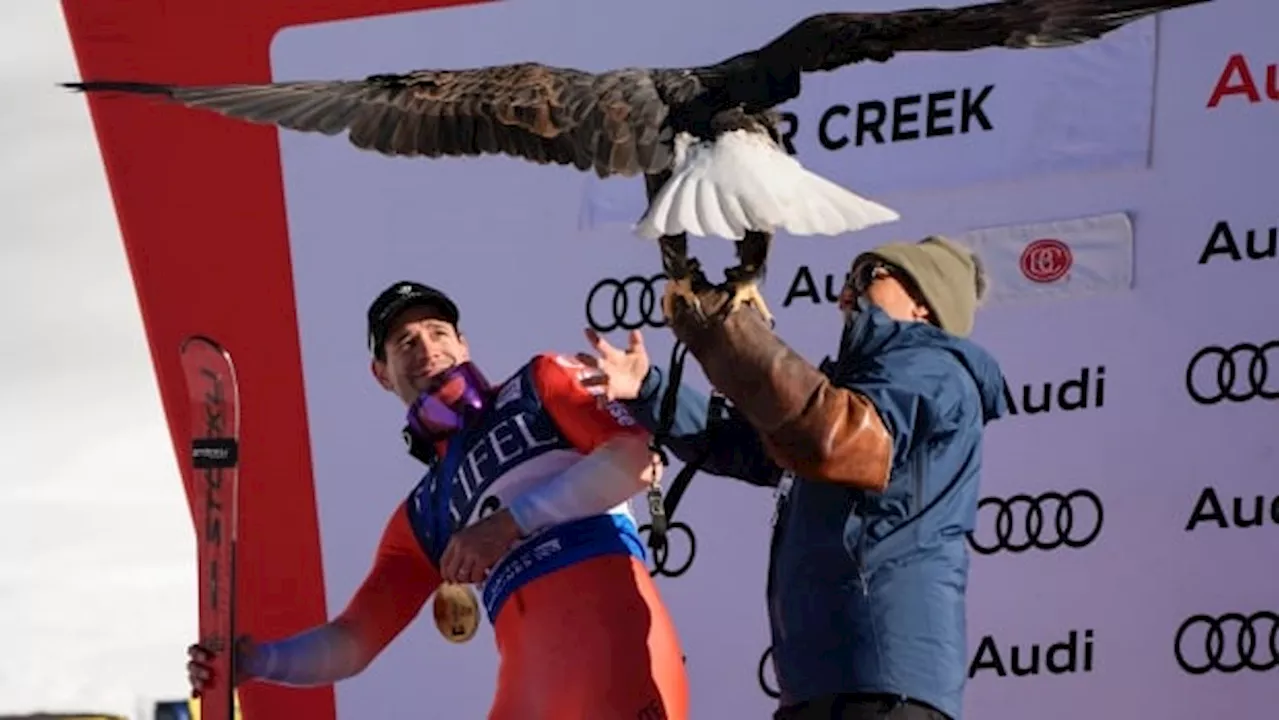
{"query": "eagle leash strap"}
(662, 509)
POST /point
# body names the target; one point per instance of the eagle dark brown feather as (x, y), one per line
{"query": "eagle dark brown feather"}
(833, 40)
(610, 123)
(623, 122)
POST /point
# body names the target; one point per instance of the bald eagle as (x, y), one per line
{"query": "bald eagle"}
(704, 138)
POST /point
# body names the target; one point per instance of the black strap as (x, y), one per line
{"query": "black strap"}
(662, 509)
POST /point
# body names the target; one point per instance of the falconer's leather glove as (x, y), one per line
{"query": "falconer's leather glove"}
(809, 426)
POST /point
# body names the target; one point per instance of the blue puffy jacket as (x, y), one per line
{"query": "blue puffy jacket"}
(866, 590)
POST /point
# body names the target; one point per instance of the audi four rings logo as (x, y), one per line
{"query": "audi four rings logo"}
(767, 676)
(675, 557)
(1047, 521)
(1227, 643)
(627, 304)
(1238, 373)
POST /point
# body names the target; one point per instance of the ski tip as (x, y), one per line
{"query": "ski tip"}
(191, 340)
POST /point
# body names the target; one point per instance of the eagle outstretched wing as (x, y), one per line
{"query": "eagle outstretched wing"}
(833, 40)
(610, 123)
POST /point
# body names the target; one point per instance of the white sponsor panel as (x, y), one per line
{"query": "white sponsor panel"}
(1055, 260)
(1068, 607)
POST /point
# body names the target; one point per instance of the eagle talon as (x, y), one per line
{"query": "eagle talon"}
(683, 288)
(747, 292)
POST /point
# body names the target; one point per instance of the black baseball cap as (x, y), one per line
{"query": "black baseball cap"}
(396, 298)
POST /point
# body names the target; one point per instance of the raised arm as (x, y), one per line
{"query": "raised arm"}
(617, 464)
(732, 447)
(396, 588)
(807, 425)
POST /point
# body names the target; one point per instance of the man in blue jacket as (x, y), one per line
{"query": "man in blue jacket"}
(876, 458)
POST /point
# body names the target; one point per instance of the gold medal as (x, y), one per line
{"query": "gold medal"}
(457, 612)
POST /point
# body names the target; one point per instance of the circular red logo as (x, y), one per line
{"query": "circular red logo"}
(1045, 260)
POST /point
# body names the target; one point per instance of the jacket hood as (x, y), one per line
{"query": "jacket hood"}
(872, 332)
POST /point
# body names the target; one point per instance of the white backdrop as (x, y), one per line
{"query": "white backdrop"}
(1087, 131)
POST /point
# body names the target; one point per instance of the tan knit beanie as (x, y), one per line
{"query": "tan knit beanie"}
(950, 277)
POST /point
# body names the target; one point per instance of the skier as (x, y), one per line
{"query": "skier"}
(526, 496)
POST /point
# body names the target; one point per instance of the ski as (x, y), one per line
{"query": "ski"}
(214, 406)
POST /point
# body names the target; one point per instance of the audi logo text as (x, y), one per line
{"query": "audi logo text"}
(1228, 643)
(1239, 373)
(627, 304)
(676, 555)
(1047, 521)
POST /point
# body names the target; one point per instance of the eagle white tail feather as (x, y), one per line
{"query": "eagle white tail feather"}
(744, 182)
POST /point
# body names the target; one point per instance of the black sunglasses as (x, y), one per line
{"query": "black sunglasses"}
(864, 274)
